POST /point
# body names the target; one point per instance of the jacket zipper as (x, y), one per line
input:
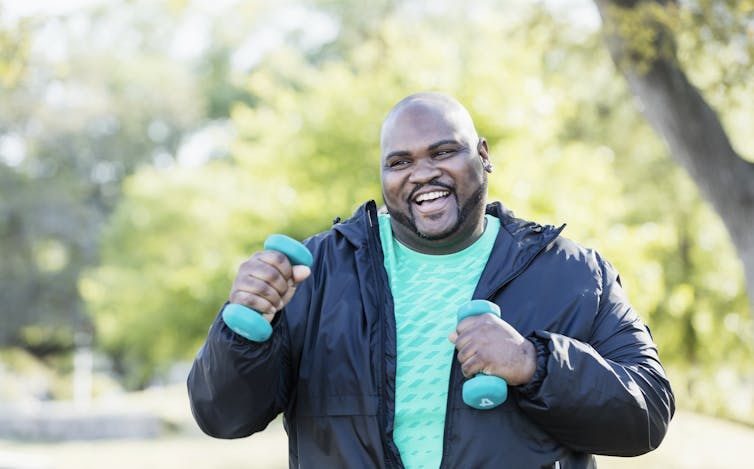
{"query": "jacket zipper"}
(452, 390)
(382, 376)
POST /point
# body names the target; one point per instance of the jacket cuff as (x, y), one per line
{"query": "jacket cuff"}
(540, 344)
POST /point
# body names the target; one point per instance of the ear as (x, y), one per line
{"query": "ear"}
(484, 154)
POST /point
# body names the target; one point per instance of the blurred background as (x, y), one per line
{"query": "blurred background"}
(147, 147)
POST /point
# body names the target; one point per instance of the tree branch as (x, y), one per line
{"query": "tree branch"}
(641, 44)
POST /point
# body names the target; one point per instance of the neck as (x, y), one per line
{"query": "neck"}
(457, 241)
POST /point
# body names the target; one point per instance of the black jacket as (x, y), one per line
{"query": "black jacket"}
(330, 363)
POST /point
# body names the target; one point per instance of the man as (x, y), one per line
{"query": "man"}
(360, 362)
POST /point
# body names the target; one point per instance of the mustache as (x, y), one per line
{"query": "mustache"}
(432, 183)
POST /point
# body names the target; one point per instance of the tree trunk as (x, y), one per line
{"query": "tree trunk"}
(688, 125)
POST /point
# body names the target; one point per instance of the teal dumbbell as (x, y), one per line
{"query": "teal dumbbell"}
(482, 391)
(248, 322)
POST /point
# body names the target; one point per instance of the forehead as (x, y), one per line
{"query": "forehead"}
(417, 126)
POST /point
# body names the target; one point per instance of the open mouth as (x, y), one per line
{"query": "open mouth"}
(429, 197)
(432, 202)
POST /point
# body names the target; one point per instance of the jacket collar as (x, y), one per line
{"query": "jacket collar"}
(518, 242)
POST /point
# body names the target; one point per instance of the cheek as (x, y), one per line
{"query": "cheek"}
(391, 188)
(472, 177)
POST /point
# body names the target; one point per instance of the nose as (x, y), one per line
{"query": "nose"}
(424, 171)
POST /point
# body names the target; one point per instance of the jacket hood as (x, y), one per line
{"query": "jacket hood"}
(356, 228)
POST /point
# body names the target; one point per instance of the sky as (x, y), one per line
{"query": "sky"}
(580, 11)
(20, 8)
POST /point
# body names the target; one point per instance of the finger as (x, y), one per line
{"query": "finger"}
(453, 336)
(253, 301)
(289, 294)
(471, 367)
(269, 266)
(469, 326)
(467, 323)
(277, 260)
(264, 279)
(301, 273)
(272, 292)
(466, 353)
(464, 338)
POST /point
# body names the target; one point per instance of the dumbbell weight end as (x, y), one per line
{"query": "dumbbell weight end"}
(482, 391)
(250, 323)
(246, 322)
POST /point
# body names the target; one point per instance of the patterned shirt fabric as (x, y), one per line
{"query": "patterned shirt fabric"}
(427, 292)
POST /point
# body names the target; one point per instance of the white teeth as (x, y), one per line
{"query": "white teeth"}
(431, 196)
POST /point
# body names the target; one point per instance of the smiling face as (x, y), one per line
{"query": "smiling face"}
(433, 174)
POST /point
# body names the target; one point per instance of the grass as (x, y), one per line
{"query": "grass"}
(694, 441)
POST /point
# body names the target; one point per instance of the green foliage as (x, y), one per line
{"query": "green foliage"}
(567, 143)
(14, 53)
(644, 27)
(79, 121)
(716, 39)
(712, 40)
(171, 249)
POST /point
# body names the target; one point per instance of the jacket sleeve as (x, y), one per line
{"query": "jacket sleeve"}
(236, 386)
(607, 395)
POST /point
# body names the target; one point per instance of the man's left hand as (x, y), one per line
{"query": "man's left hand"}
(487, 344)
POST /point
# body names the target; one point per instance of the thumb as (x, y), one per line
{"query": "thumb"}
(301, 273)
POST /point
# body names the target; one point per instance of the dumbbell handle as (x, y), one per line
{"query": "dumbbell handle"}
(482, 391)
(250, 323)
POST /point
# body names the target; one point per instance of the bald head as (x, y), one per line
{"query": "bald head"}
(411, 108)
(433, 173)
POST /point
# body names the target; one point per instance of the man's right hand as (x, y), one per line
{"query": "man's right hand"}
(266, 282)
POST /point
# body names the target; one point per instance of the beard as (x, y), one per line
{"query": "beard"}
(469, 208)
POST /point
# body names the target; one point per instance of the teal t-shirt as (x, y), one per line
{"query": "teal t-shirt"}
(427, 292)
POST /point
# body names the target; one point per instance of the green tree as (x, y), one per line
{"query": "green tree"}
(642, 41)
(77, 117)
(566, 149)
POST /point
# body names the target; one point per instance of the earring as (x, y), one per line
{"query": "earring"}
(488, 167)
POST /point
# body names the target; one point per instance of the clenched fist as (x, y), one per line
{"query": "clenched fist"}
(487, 344)
(266, 282)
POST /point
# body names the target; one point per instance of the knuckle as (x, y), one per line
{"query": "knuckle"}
(277, 256)
(261, 305)
(254, 300)
(269, 292)
(242, 297)
(266, 274)
(250, 265)
(273, 259)
(234, 297)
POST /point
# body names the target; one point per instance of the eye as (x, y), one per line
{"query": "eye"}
(397, 163)
(443, 153)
